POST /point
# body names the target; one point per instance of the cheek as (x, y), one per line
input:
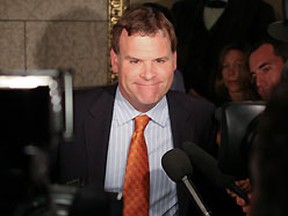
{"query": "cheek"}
(132, 69)
(276, 76)
(126, 76)
(168, 77)
(224, 74)
(129, 77)
(225, 78)
(238, 72)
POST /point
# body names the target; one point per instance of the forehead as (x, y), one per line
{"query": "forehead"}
(144, 43)
(160, 33)
(265, 54)
(265, 51)
(234, 53)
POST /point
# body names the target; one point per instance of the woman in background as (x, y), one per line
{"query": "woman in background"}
(233, 81)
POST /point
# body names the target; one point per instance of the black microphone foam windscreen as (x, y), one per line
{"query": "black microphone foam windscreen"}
(176, 164)
(206, 164)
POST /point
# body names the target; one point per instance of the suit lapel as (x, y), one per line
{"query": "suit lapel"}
(179, 117)
(97, 130)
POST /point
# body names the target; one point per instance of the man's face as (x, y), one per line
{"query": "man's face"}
(145, 67)
(266, 69)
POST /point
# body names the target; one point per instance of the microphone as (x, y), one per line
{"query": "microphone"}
(177, 166)
(208, 166)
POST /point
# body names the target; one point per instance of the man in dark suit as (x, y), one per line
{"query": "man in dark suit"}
(144, 56)
(204, 27)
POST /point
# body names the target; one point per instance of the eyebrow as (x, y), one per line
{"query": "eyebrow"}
(162, 58)
(159, 58)
(263, 65)
(130, 57)
(237, 61)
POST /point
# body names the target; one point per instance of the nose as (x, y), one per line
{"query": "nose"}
(259, 80)
(148, 71)
(232, 72)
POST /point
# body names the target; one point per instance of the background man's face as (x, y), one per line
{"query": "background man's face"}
(266, 68)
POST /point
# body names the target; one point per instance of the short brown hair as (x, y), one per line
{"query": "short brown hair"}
(143, 20)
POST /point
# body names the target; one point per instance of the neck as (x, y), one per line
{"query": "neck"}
(237, 96)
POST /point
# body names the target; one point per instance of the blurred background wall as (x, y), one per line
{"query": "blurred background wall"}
(49, 34)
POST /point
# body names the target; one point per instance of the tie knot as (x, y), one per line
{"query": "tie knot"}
(141, 122)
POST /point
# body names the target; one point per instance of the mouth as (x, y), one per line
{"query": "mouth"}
(147, 84)
(232, 83)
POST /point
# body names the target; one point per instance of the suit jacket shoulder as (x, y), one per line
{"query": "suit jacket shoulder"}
(192, 119)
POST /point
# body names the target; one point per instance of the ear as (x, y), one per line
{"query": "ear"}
(175, 60)
(114, 61)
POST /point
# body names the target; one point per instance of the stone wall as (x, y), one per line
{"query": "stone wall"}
(55, 34)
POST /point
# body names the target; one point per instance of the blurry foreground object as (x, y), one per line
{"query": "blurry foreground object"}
(36, 114)
(270, 161)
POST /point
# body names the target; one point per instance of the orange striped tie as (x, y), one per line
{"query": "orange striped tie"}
(136, 182)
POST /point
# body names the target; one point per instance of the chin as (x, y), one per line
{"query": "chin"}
(234, 87)
(149, 102)
(264, 96)
(150, 97)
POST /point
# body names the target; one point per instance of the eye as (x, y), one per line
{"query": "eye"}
(240, 66)
(225, 66)
(134, 61)
(253, 77)
(266, 69)
(160, 61)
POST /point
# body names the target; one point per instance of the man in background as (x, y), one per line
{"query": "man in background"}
(266, 62)
(268, 69)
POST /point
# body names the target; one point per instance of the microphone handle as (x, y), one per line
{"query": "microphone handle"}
(195, 196)
(238, 191)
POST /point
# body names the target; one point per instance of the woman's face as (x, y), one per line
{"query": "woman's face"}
(233, 70)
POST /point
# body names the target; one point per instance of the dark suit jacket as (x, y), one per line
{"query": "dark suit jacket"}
(84, 159)
(198, 48)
